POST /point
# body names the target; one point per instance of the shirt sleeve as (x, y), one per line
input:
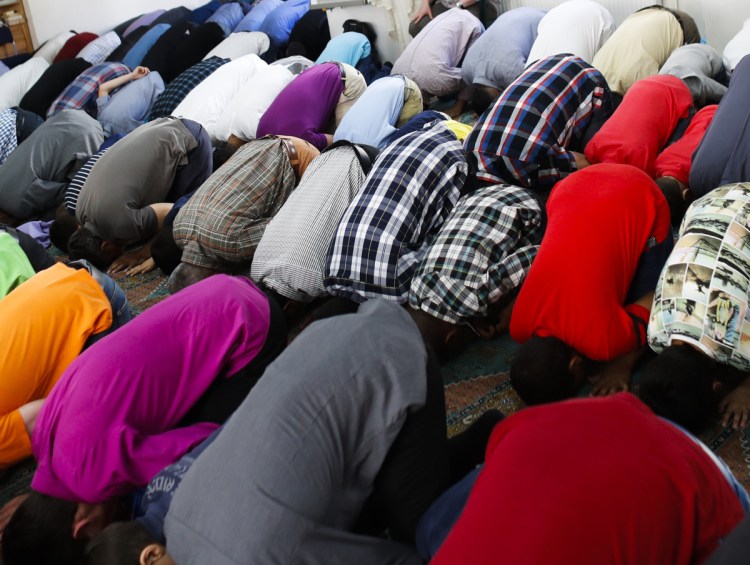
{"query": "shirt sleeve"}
(15, 443)
(135, 224)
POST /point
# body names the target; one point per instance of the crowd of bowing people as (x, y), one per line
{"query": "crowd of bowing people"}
(329, 240)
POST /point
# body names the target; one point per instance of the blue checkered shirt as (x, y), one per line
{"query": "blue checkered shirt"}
(481, 255)
(407, 196)
(525, 137)
(99, 49)
(81, 94)
(180, 87)
(8, 136)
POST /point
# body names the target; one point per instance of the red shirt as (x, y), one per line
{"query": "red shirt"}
(676, 159)
(642, 124)
(589, 482)
(600, 220)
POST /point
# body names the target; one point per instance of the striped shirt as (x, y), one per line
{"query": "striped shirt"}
(74, 188)
(384, 232)
(480, 256)
(179, 88)
(98, 50)
(8, 135)
(291, 256)
(225, 219)
(525, 137)
(81, 94)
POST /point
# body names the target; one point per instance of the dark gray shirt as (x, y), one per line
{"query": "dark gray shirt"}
(34, 176)
(287, 477)
(698, 65)
(137, 171)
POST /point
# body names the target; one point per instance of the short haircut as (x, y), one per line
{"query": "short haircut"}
(84, 244)
(164, 250)
(120, 543)
(482, 98)
(678, 385)
(41, 532)
(61, 229)
(539, 371)
(672, 191)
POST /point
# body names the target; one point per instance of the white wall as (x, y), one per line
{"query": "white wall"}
(718, 20)
(47, 18)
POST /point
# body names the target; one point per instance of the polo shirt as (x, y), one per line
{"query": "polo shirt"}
(111, 423)
(600, 221)
(48, 320)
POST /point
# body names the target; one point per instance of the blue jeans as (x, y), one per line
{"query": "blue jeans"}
(121, 313)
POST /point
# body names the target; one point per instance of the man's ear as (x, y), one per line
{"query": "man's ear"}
(82, 521)
(576, 366)
(151, 554)
(107, 245)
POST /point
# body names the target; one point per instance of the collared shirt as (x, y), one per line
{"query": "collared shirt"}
(227, 16)
(81, 94)
(8, 135)
(433, 58)
(207, 101)
(410, 191)
(291, 256)
(524, 138)
(225, 218)
(702, 297)
(116, 416)
(738, 46)
(578, 27)
(127, 108)
(373, 117)
(349, 48)
(638, 48)
(481, 254)
(304, 108)
(240, 44)
(499, 55)
(99, 49)
(697, 65)
(180, 87)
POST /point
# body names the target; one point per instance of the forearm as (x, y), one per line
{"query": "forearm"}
(107, 87)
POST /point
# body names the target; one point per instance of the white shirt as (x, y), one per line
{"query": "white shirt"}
(241, 43)
(738, 47)
(241, 116)
(52, 46)
(17, 81)
(579, 27)
(207, 102)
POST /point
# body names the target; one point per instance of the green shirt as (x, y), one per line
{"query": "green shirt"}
(14, 266)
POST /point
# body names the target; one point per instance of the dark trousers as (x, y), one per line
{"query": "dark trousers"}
(735, 548)
(225, 395)
(199, 166)
(649, 268)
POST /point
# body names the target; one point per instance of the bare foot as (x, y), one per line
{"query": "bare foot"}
(610, 381)
(736, 406)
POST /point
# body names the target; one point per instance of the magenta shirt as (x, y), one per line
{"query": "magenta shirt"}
(109, 424)
(305, 106)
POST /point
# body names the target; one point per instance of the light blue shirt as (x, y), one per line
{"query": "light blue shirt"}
(128, 107)
(254, 19)
(228, 16)
(499, 56)
(373, 116)
(349, 47)
(138, 51)
(279, 23)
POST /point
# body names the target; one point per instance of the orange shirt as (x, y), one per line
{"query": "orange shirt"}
(45, 323)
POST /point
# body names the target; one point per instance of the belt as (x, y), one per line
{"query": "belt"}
(291, 150)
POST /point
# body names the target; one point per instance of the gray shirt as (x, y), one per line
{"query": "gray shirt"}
(287, 477)
(498, 57)
(697, 65)
(137, 171)
(34, 176)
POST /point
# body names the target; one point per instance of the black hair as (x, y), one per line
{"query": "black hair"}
(84, 244)
(672, 191)
(120, 543)
(61, 229)
(164, 250)
(185, 275)
(41, 532)
(678, 385)
(483, 98)
(539, 371)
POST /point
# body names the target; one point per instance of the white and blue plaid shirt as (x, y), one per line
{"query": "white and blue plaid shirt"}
(8, 136)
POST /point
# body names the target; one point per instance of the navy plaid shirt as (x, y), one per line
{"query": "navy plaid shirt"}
(179, 88)
(81, 94)
(412, 187)
(523, 139)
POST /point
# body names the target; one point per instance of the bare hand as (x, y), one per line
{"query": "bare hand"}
(139, 72)
(7, 511)
(424, 10)
(581, 160)
(129, 261)
(736, 407)
(145, 267)
(610, 382)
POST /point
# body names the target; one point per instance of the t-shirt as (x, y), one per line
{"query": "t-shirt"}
(46, 321)
(642, 123)
(110, 424)
(114, 201)
(702, 294)
(593, 481)
(675, 160)
(600, 221)
(14, 265)
(349, 47)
